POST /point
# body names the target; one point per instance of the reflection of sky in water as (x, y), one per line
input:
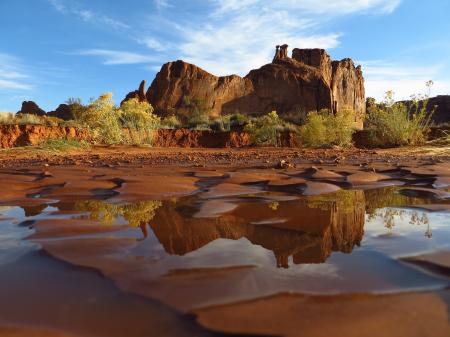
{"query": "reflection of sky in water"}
(367, 268)
(12, 245)
(403, 232)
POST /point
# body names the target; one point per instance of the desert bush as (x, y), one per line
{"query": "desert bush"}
(139, 119)
(29, 119)
(138, 115)
(61, 145)
(325, 129)
(221, 123)
(297, 116)
(393, 124)
(264, 130)
(76, 107)
(195, 113)
(101, 118)
(171, 122)
(238, 120)
(6, 118)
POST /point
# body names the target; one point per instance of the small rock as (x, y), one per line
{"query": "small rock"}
(284, 164)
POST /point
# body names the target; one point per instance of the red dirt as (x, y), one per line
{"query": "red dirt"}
(23, 135)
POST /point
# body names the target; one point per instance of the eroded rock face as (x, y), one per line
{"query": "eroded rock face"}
(30, 107)
(306, 82)
(346, 82)
(63, 111)
(441, 106)
(139, 94)
(179, 79)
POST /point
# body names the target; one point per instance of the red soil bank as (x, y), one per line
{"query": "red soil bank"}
(22, 135)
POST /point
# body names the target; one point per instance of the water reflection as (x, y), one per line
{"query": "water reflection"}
(136, 214)
(304, 231)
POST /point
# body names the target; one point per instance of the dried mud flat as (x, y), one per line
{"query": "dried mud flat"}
(207, 157)
(245, 241)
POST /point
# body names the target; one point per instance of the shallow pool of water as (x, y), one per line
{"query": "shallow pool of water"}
(95, 259)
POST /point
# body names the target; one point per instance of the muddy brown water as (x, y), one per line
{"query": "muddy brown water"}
(135, 251)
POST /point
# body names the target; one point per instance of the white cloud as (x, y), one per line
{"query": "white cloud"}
(115, 57)
(161, 4)
(155, 44)
(404, 80)
(328, 7)
(12, 74)
(246, 39)
(87, 15)
(239, 35)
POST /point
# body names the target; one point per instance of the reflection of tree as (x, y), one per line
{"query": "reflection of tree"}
(136, 214)
(389, 197)
(390, 215)
(344, 200)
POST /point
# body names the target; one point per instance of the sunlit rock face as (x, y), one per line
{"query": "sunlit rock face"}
(307, 81)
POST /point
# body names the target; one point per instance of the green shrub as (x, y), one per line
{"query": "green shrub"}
(238, 119)
(324, 129)
(395, 124)
(297, 116)
(76, 107)
(264, 130)
(138, 115)
(101, 118)
(171, 122)
(195, 113)
(139, 119)
(221, 123)
(61, 145)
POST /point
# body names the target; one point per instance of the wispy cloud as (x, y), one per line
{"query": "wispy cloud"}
(86, 15)
(12, 74)
(404, 80)
(332, 8)
(115, 57)
(161, 4)
(234, 36)
(155, 44)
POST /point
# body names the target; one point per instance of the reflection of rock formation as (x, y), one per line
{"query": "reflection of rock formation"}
(311, 232)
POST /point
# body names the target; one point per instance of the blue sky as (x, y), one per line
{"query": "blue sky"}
(51, 50)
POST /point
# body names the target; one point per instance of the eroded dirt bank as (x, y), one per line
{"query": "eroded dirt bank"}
(24, 135)
(32, 135)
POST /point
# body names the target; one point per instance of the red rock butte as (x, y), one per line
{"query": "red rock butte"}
(307, 81)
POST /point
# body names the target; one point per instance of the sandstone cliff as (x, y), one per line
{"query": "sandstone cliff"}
(30, 107)
(307, 81)
(441, 106)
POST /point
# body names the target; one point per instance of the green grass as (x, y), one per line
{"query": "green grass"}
(61, 145)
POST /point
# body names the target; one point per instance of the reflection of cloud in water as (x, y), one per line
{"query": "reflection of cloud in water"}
(402, 232)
